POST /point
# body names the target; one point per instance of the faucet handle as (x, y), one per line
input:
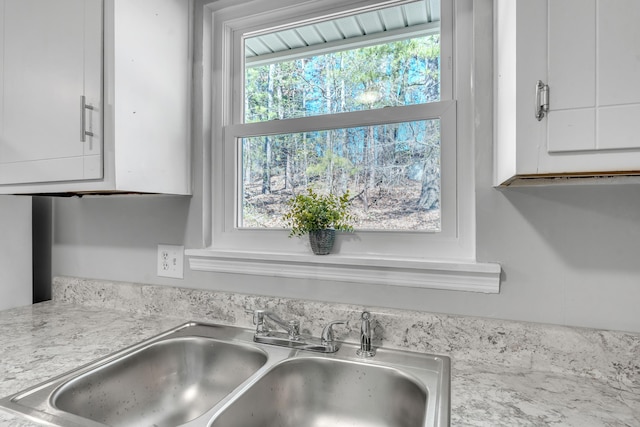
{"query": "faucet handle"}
(258, 320)
(258, 315)
(327, 331)
(294, 330)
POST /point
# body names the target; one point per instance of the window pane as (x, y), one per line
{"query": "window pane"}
(392, 171)
(345, 64)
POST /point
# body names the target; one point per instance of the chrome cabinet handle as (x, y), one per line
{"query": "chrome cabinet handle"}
(542, 100)
(83, 121)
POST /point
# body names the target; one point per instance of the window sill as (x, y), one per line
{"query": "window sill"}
(459, 276)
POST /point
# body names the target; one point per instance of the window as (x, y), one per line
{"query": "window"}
(354, 95)
(359, 61)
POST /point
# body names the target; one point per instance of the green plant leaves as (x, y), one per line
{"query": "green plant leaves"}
(312, 211)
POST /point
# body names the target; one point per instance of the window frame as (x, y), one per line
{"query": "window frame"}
(443, 260)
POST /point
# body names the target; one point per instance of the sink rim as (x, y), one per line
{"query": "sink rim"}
(438, 382)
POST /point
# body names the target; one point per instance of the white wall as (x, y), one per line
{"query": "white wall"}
(570, 255)
(15, 251)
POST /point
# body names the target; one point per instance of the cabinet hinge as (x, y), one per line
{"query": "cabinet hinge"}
(542, 99)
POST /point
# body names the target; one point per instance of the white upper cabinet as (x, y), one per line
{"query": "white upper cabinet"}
(587, 52)
(51, 61)
(95, 96)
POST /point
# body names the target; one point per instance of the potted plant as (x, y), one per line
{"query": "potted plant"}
(319, 215)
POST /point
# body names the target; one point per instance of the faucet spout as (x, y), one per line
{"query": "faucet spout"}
(366, 349)
(327, 339)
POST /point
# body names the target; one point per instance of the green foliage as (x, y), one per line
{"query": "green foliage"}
(368, 160)
(403, 72)
(313, 211)
(328, 160)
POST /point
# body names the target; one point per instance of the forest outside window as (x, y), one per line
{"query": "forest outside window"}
(392, 171)
(370, 60)
(340, 96)
(370, 96)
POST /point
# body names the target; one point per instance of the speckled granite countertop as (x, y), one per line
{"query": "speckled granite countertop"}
(503, 373)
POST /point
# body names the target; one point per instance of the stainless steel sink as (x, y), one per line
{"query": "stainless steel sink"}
(314, 392)
(165, 384)
(167, 380)
(216, 376)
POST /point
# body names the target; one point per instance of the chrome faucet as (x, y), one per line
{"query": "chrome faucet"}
(327, 339)
(292, 338)
(292, 326)
(366, 350)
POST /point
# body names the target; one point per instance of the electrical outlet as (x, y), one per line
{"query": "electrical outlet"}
(171, 261)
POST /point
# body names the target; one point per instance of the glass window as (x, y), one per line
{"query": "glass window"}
(339, 95)
(386, 74)
(392, 172)
(357, 62)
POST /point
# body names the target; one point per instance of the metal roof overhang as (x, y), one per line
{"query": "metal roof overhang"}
(384, 25)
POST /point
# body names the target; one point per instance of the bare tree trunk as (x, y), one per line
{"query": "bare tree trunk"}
(266, 161)
(430, 191)
(329, 141)
(246, 150)
(266, 166)
(287, 145)
(387, 157)
(288, 169)
(305, 152)
(305, 162)
(246, 162)
(343, 181)
(368, 168)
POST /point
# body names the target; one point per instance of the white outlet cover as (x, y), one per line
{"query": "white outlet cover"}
(171, 261)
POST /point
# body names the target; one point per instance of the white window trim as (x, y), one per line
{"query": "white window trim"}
(457, 276)
(449, 264)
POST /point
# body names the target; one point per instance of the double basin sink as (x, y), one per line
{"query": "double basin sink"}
(216, 376)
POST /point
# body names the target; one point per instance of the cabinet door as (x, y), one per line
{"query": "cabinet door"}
(587, 52)
(52, 61)
(593, 76)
